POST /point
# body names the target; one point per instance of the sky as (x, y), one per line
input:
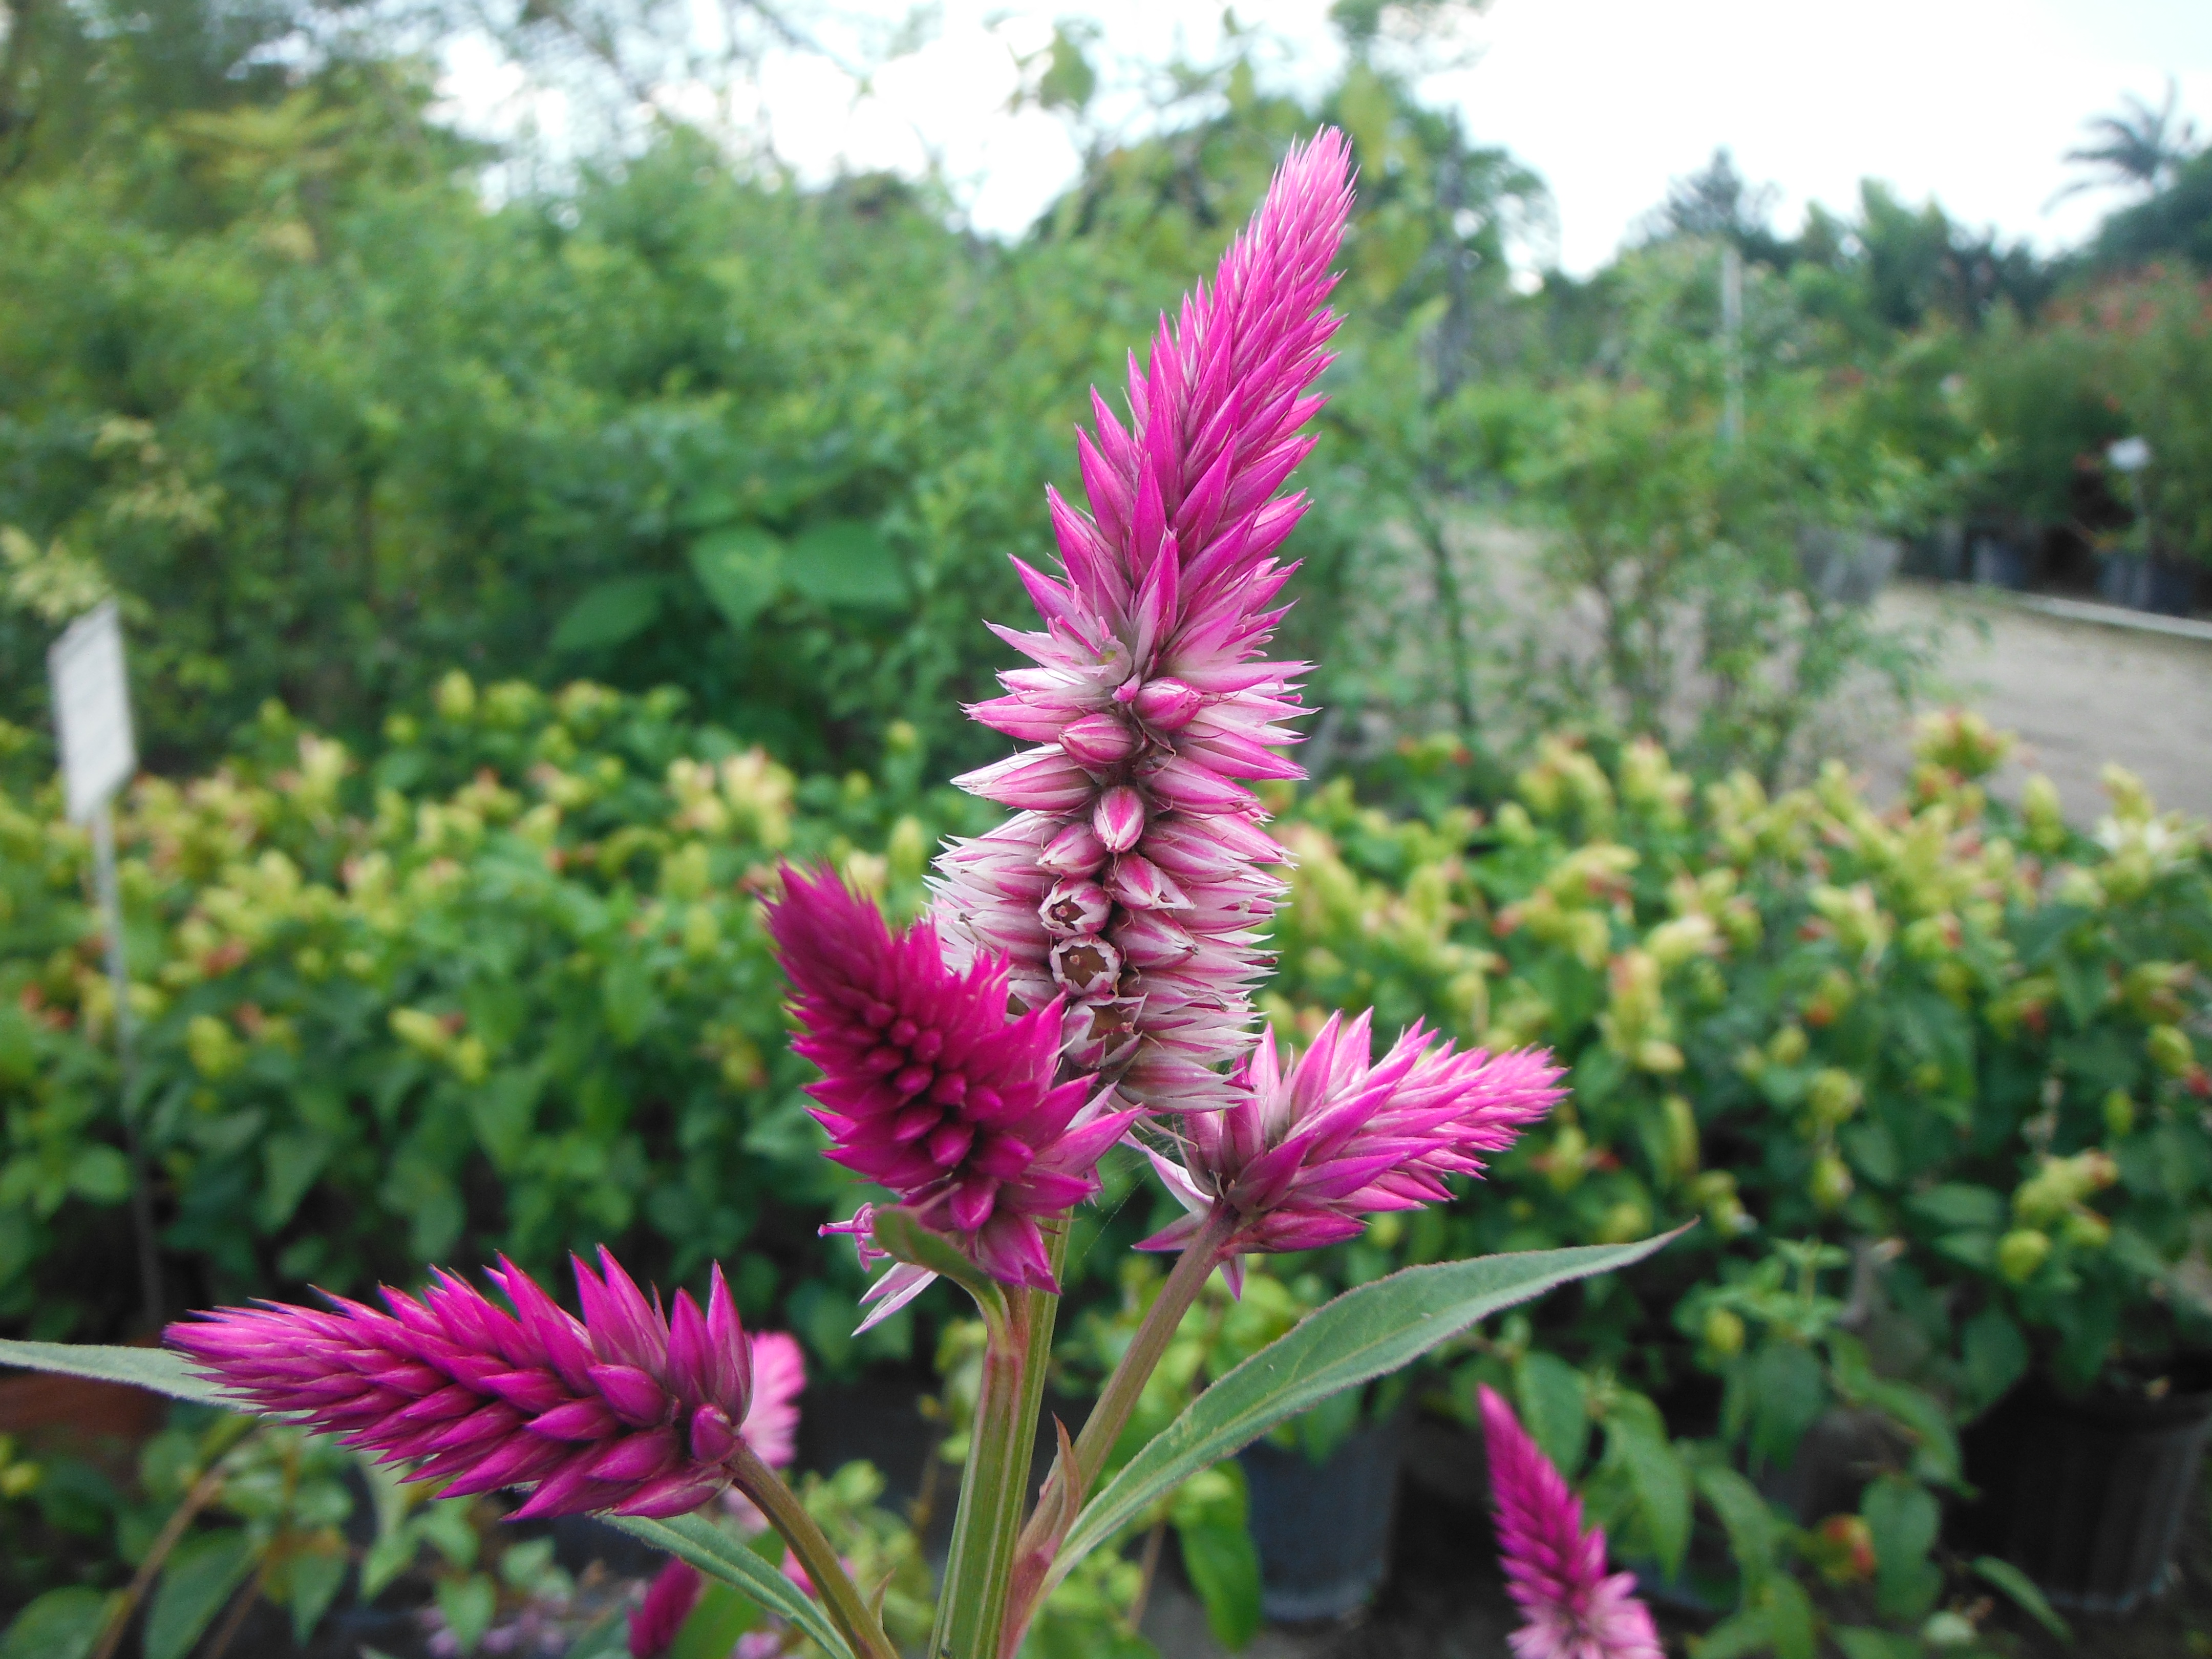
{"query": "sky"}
(1972, 102)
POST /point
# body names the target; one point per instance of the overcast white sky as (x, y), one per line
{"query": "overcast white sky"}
(1971, 101)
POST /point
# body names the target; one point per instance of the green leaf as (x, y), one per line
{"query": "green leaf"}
(722, 1613)
(1788, 1393)
(468, 1605)
(2019, 1586)
(62, 1624)
(1864, 1642)
(313, 1578)
(198, 1578)
(1956, 1205)
(1636, 1443)
(898, 1231)
(156, 1369)
(1996, 1354)
(290, 1161)
(692, 1537)
(1209, 1514)
(1749, 1631)
(742, 570)
(1554, 1409)
(846, 561)
(1362, 1335)
(1752, 1537)
(1789, 1612)
(99, 1173)
(626, 994)
(609, 615)
(1902, 1517)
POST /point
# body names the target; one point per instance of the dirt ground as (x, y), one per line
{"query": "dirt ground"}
(2079, 694)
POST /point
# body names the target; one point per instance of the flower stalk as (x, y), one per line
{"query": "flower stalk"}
(840, 1596)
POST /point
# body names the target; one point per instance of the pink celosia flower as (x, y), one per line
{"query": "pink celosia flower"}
(1554, 1570)
(929, 1088)
(626, 1409)
(654, 1622)
(1301, 1157)
(1132, 881)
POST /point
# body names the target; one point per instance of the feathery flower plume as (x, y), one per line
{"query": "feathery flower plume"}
(1554, 1570)
(1131, 881)
(930, 1089)
(625, 1409)
(1301, 1157)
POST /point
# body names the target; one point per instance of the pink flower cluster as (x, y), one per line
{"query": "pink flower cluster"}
(1302, 1157)
(1554, 1570)
(1130, 883)
(929, 1089)
(628, 1409)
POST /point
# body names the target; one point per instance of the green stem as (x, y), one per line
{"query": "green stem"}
(1103, 1426)
(971, 1609)
(839, 1596)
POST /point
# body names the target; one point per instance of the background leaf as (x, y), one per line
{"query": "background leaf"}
(741, 568)
(199, 1577)
(609, 615)
(846, 561)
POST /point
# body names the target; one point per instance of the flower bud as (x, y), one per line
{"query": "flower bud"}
(1831, 1183)
(2022, 1254)
(2119, 1115)
(1722, 1332)
(1167, 705)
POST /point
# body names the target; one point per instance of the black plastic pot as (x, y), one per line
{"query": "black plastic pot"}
(1997, 563)
(1322, 1529)
(2087, 1497)
(2148, 582)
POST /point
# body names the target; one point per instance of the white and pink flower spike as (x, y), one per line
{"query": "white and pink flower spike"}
(1132, 880)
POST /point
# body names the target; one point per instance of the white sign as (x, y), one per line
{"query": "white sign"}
(92, 707)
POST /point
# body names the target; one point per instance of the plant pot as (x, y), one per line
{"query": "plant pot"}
(2148, 582)
(1323, 1529)
(1847, 566)
(2087, 1497)
(1998, 562)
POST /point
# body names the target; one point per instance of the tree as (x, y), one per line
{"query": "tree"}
(2138, 148)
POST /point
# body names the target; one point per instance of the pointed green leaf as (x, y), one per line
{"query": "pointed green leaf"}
(1554, 1409)
(742, 570)
(846, 561)
(62, 1624)
(199, 1577)
(2019, 1586)
(1364, 1333)
(909, 1241)
(1752, 1537)
(692, 1537)
(1636, 1443)
(609, 615)
(153, 1369)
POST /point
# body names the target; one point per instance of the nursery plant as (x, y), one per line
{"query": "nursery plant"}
(1085, 976)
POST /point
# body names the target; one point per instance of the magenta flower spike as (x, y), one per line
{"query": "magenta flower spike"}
(930, 1089)
(624, 1409)
(1555, 1571)
(655, 1621)
(1132, 883)
(1301, 1157)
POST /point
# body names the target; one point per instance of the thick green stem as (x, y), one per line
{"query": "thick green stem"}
(971, 1609)
(840, 1598)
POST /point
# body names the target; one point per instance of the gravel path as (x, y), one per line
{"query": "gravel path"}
(2079, 694)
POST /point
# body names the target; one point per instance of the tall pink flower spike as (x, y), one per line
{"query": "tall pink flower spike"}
(626, 1409)
(1301, 1157)
(929, 1089)
(1554, 1570)
(1131, 881)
